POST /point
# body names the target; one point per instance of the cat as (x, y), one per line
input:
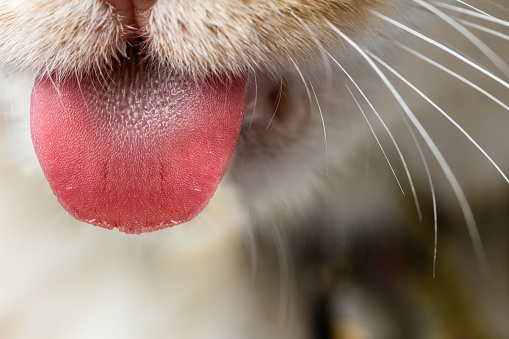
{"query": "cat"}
(337, 135)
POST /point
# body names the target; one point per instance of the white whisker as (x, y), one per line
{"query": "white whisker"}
(278, 100)
(326, 61)
(376, 138)
(57, 90)
(471, 13)
(473, 7)
(388, 132)
(428, 173)
(432, 188)
(286, 276)
(452, 73)
(475, 237)
(311, 108)
(97, 72)
(490, 54)
(253, 251)
(485, 29)
(432, 103)
(323, 126)
(305, 84)
(255, 101)
(442, 47)
(85, 102)
(499, 6)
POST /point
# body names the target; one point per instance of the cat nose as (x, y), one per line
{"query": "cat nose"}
(132, 12)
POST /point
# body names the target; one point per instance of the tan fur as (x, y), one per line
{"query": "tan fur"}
(251, 35)
(191, 36)
(41, 37)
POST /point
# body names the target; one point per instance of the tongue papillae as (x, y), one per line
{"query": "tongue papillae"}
(140, 151)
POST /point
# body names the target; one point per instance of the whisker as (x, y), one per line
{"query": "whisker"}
(425, 97)
(442, 47)
(256, 99)
(278, 100)
(311, 108)
(432, 103)
(376, 138)
(97, 72)
(471, 13)
(305, 84)
(452, 73)
(81, 90)
(326, 61)
(423, 158)
(323, 125)
(133, 66)
(485, 29)
(432, 188)
(487, 51)
(499, 6)
(285, 276)
(474, 8)
(388, 132)
(475, 237)
(56, 89)
(254, 252)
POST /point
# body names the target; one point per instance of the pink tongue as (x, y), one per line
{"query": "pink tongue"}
(139, 154)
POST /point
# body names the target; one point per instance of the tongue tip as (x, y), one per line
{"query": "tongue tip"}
(141, 220)
(115, 176)
(132, 225)
(127, 227)
(130, 229)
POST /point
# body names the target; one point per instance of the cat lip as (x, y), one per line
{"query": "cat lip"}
(142, 151)
(132, 13)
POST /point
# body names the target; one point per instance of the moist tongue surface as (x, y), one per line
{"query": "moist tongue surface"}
(142, 151)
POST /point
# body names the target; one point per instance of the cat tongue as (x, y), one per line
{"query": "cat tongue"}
(140, 152)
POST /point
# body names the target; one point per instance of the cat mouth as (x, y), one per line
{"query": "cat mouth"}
(136, 147)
